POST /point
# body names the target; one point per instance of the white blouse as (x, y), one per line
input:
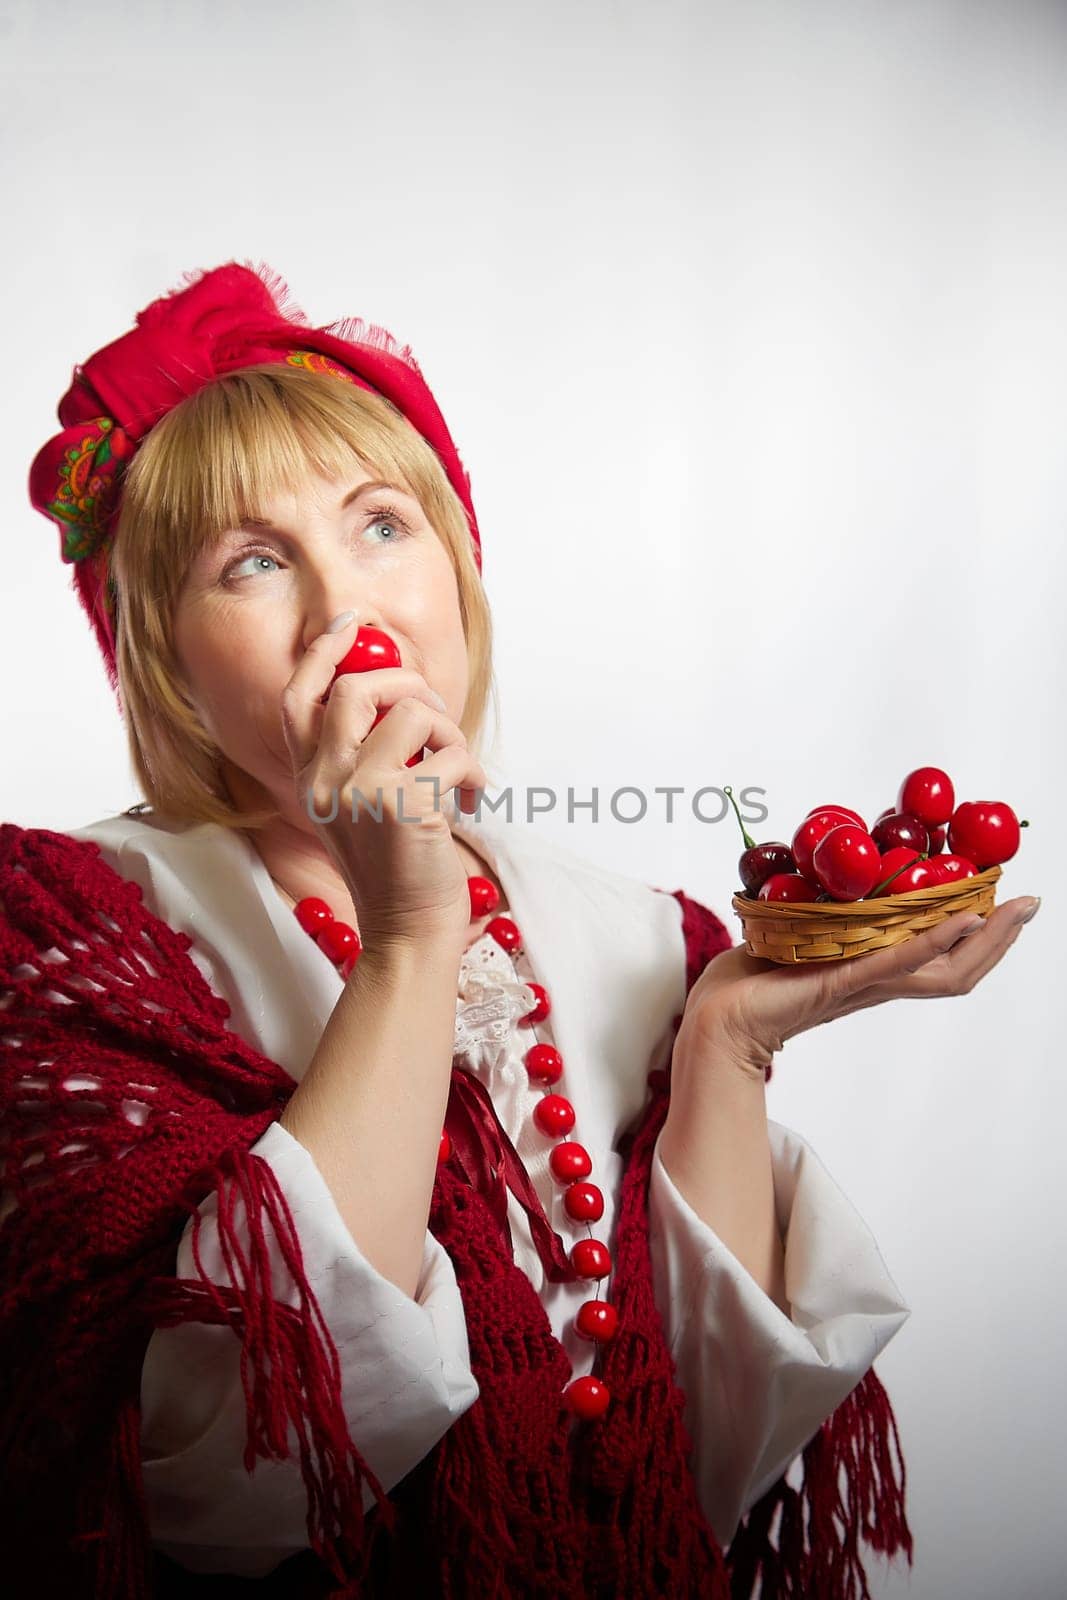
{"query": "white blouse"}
(610, 951)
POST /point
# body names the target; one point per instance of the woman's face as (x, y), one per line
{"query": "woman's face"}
(251, 604)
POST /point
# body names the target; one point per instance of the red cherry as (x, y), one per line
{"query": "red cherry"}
(543, 1063)
(893, 860)
(587, 1397)
(569, 1161)
(956, 868)
(901, 828)
(369, 650)
(812, 831)
(759, 861)
(596, 1320)
(937, 840)
(937, 873)
(985, 832)
(928, 794)
(782, 886)
(591, 1259)
(844, 811)
(583, 1202)
(505, 932)
(917, 876)
(540, 1010)
(847, 862)
(338, 940)
(554, 1115)
(484, 897)
(312, 914)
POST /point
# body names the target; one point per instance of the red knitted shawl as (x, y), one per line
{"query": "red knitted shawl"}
(514, 1500)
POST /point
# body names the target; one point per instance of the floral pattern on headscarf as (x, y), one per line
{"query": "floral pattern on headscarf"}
(89, 473)
(91, 468)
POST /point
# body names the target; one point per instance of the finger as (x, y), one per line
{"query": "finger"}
(968, 962)
(889, 967)
(956, 971)
(453, 768)
(348, 730)
(304, 711)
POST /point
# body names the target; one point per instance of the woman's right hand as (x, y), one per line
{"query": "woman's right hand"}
(404, 873)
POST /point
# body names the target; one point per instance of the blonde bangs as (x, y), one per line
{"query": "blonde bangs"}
(216, 459)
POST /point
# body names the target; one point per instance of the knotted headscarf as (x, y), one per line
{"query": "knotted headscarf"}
(233, 316)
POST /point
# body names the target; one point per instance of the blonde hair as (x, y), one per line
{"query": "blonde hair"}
(208, 464)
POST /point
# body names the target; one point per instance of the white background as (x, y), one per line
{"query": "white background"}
(748, 324)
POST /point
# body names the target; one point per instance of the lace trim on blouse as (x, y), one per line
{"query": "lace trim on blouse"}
(491, 999)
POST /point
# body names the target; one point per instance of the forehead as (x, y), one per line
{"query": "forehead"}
(282, 508)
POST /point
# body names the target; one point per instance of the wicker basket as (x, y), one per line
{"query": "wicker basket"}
(830, 930)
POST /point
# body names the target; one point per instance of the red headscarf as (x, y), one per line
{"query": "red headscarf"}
(233, 316)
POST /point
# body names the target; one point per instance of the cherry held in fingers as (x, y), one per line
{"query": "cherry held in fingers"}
(370, 650)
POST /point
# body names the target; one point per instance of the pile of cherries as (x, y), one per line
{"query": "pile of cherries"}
(833, 856)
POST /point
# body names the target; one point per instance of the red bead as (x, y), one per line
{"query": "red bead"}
(584, 1202)
(345, 967)
(540, 1010)
(544, 1063)
(312, 914)
(444, 1149)
(506, 934)
(569, 1162)
(484, 897)
(596, 1320)
(591, 1259)
(554, 1115)
(338, 941)
(588, 1398)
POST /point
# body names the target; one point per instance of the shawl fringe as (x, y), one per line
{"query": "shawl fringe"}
(515, 1499)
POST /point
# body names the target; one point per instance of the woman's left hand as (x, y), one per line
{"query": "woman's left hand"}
(747, 1007)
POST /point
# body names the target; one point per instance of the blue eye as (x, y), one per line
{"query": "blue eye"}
(256, 555)
(383, 517)
(388, 518)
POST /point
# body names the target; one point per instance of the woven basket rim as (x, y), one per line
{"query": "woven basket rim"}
(828, 910)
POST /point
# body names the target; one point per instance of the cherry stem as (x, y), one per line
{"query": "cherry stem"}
(878, 886)
(750, 844)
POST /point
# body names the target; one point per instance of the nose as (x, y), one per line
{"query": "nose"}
(330, 591)
(330, 584)
(318, 619)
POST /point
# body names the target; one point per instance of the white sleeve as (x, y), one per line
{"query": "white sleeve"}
(759, 1384)
(405, 1373)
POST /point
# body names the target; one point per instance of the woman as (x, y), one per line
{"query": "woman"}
(435, 1235)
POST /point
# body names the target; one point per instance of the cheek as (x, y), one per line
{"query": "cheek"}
(229, 677)
(436, 600)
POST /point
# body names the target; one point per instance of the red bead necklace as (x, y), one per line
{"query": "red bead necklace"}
(588, 1397)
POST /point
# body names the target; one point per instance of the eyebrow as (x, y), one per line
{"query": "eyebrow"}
(251, 523)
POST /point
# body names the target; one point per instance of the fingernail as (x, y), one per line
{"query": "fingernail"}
(437, 699)
(971, 927)
(1029, 911)
(340, 622)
